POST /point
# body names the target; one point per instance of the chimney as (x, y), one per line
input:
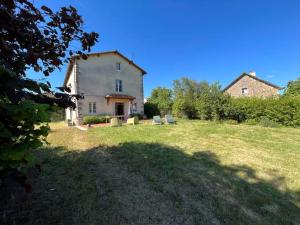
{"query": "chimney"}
(252, 73)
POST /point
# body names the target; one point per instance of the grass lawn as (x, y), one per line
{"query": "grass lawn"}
(194, 172)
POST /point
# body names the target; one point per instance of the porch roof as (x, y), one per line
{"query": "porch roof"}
(119, 96)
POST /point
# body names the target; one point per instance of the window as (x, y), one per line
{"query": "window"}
(244, 91)
(119, 87)
(118, 66)
(134, 108)
(92, 107)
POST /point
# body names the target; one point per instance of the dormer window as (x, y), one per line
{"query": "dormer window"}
(118, 66)
(244, 91)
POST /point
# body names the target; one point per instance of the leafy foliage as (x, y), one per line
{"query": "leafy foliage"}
(151, 109)
(266, 122)
(293, 88)
(211, 102)
(284, 110)
(39, 39)
(199, 100)
(186, 92)
(162, 98)
(206, 101)
(138, 115)
(94, 119)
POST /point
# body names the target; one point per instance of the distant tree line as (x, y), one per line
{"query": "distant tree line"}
(200, 100)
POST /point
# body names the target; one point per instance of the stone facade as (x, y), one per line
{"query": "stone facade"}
(96, 78)
(251, 86)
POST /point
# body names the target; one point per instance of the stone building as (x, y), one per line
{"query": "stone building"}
(248, 84)
(110, 83)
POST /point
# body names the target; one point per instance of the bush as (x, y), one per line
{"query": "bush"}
(58, 114)
(266, 122)
(138, 115)
(94, 119)
(251, 122)
(151, 110)
(201, 100)
(234, 122)
(284, 110)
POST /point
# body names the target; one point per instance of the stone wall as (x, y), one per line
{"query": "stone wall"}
(254, 87)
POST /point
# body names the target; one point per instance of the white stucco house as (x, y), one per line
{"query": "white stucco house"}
(110, 83)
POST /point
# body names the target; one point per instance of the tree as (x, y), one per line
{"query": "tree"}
(186, 92)
(162, 98)
(293, 88)
(211, 102)
(199, 99)
(33, 38)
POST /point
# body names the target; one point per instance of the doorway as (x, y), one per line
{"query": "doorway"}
(119, 109)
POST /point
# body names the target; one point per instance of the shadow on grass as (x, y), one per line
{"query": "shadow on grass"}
(140, 183)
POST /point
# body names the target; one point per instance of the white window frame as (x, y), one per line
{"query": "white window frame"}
(119, 85)
(92, 108)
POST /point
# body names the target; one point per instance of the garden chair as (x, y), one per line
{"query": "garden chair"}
(169, 119)
(114, 122)
(156, 120)
(134, 120)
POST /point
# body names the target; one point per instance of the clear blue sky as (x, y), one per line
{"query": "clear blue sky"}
(213, 40)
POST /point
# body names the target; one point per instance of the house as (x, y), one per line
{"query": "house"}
(110, 83)
(248, 84)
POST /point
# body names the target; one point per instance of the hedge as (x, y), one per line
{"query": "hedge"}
(94, 119)
(284, 110)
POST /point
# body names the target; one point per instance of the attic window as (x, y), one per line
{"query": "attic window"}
(244, 91)
(118, 66)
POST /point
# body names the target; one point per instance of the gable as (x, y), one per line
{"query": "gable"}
(97, 55)
(252, 77)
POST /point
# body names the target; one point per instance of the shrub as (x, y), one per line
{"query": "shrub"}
(284, 110)
(94, 119)
(138, 115)
(201, 100)
(151, 110)
(266, 122)
(58, 114)
(251, 122)
(234, 122)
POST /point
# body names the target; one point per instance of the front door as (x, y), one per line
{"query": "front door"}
(119, 109)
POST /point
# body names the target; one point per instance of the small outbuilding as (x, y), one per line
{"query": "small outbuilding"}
(248, 84)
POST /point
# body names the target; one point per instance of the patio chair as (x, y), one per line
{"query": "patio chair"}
(169, 119)
(134, 120)
(156, 120)
(114, 122)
